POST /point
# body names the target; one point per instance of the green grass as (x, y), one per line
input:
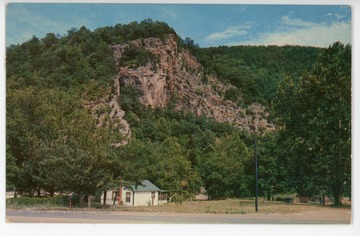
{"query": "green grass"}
(231, 206)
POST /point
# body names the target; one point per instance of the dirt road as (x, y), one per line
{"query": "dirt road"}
(331, 216)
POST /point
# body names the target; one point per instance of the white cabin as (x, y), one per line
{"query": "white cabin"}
(144, 194)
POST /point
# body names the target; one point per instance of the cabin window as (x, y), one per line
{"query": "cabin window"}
(128, 194)
(162, 196)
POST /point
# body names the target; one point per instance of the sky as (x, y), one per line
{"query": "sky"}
(207, 24)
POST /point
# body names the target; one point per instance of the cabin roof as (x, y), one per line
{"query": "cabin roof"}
(145, 186)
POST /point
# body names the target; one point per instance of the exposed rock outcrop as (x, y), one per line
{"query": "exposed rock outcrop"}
(177, 75)
(109, 114)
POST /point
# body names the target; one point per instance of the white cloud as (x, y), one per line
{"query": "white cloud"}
(170, 14)
(230, 32)
(338, 16)
(296, 22)
(299, 32)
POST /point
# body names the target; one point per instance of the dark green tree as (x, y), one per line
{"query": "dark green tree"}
(223, 169)
(54, 144)
(315, 116)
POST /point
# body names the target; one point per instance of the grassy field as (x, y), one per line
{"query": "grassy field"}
(231, 206)
(192, 212)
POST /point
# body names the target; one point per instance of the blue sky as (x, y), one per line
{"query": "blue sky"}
(207, 24)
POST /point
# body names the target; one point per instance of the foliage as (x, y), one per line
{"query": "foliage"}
(44, 201)
(255, 71)
(11, 169)
(133, 57)
(315, 113)
(173, 150)
(56, 143)
(82, 56)
(223, 168)
(273, 175)
(189, 44)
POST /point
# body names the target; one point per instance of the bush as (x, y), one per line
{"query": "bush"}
(32, 201)
(134, 57)
(56, 201)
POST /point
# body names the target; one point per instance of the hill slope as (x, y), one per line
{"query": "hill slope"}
(255, 71)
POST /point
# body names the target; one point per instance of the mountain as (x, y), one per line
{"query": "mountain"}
(139, 102)
(230, 84)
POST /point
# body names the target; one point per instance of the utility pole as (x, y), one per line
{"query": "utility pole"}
(256, 177)
(253, 129)
(120, 192)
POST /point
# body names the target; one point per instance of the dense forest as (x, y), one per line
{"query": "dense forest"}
(53, 142)
(255, 71)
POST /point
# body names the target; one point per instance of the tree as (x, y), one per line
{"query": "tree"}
(256, 71)
(223, 169)
(21, 140)
(269, 183)
(81, 156)
(315, 115)
(54, 144)
(49, 40)
(11, 169)
(177, 174)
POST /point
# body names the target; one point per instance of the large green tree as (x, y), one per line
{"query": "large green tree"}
(223, 169)
(314, 113)
(53, 143)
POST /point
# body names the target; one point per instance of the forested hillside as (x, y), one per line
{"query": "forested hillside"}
(255, 71)
(57, 141)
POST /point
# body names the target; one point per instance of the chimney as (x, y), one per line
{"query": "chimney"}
(120, 192)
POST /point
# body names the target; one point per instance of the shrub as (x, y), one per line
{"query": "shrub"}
(56, 201)
(134, 57)
(33, 201)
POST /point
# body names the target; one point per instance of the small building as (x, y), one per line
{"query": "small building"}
(144, 194)
(202, 195)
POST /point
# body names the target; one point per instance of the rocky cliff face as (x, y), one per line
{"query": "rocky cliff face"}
(173, 76)
(177, 76)
(109, 114)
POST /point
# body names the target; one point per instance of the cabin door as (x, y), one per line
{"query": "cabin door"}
(152, 198)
